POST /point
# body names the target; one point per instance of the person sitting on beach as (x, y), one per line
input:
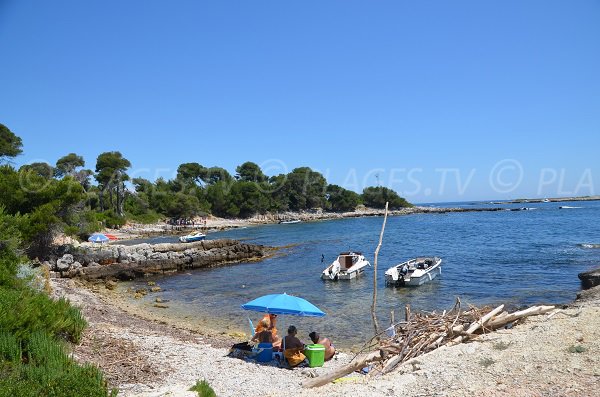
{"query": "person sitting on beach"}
(329, 349)
(268, 322)
(293, 348)
(264, 336)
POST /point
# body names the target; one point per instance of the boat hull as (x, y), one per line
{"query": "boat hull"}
(344, 275)
(416, 275)
(416, 281)
(335, 271)
(191, 239)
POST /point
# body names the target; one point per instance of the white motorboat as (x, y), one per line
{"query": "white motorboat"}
(290, 222)
(413, 272)
(196, 236)
(348, 265)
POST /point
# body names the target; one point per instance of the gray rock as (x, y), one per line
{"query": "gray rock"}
(65, 262)
(590, 278)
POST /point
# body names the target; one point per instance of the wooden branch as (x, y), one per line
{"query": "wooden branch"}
(532, 311)
(391, 363)
(359, 363)
(478, 324)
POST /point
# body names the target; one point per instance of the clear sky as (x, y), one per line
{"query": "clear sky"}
(439, 100)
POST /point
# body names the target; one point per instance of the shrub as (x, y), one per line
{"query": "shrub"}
(203, 389)
(24, 312)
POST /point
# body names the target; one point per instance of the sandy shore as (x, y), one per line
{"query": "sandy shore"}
(551, 355)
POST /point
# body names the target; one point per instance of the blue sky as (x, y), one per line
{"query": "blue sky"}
(441, 101)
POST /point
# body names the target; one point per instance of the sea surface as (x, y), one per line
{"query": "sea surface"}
(518, 258)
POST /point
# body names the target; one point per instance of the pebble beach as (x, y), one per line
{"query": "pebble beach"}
(145, 356)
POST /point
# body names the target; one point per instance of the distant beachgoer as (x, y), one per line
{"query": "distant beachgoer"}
(293, 348)
(329, 349)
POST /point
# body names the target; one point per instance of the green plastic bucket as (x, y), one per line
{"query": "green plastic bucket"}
(315, 355)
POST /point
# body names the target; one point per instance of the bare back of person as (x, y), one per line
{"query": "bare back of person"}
(329, 349)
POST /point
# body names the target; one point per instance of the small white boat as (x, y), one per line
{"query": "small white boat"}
(290, 222)
(567, 207)
(348, 265)
(196, 236)
(413, 272)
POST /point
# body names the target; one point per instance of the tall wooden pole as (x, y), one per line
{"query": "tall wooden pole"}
(374, 305)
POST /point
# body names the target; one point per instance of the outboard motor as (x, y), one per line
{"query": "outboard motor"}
(334, 271)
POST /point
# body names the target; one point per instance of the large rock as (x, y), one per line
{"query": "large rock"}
(590, 278)
(128, 262)
(65, 262)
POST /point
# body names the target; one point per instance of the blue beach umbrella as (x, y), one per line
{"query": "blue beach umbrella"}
(98, 238)
(284, 304)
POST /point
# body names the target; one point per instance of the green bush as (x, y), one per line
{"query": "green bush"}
(10, 348)
(110, 219)
(203, 389)
(23, 312)
(148, 218)
(69, 380)
(33, 359)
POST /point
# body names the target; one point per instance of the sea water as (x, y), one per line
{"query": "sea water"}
(518, 258)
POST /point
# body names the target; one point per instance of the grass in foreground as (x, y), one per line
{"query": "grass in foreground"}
(203, 389)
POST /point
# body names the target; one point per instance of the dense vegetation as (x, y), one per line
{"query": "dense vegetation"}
(63, 195)
(34, 329)
(39, 200)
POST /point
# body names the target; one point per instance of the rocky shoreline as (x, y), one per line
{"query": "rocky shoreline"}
(122, 262)
(213, 224)
(549, 200)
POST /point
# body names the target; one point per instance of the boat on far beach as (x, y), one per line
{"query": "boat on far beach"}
(413, 272)
(348, 265)
(195, 236)
(290, 222)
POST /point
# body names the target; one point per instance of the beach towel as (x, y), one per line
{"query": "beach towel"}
(294, 356)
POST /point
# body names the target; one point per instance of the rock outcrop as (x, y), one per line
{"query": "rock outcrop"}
(128, 262)
(590, 278)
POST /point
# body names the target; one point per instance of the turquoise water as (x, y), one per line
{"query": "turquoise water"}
(517, 258)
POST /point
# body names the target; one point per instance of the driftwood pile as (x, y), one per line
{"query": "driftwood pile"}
(421, 333)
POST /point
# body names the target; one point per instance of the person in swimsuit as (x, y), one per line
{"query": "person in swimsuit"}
(268, 322)
(265, 335)
(329, 349)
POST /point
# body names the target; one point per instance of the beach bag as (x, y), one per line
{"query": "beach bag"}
(294, 356)
(240, 350)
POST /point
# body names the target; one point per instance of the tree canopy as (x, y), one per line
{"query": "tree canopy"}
(376, 197)
(64, 198)
(10, 145)
(67, 165)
